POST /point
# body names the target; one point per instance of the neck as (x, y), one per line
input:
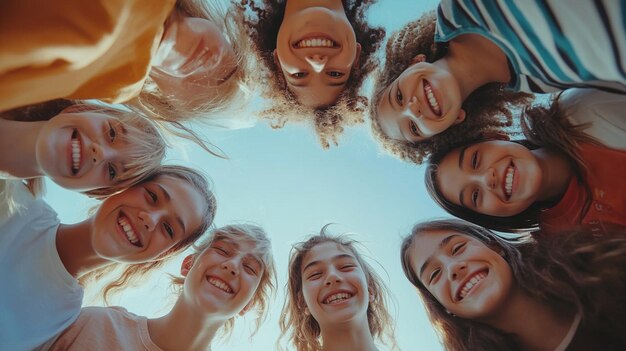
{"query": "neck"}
(185, 327)
(76, 250)
(293, 6)
(556, 173)
(348, 336)
(21, 139)
(475, 61)
(535, 325)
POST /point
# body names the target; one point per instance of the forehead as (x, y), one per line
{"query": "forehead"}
(324, 252)
(185, 199)
(387, 117)
(426, 244)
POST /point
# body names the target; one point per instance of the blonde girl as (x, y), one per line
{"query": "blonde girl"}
(80, 146)
(183, 59)
(484, 291)
(314, 58)
(559, 178)
(335, 299)
(43, 260)
(230, 273)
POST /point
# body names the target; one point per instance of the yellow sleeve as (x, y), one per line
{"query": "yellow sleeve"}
(77, 49)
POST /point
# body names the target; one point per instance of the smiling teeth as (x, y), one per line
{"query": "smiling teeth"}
(470, 284)
(431, 99)
(128, 230)
(508, 184)
(336, 298)
(219, 284)
(315, 43)
(75, 152)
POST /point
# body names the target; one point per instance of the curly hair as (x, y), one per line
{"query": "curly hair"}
(263, 247)
(488, 108)
(543, 126)
(305, 330)
(573, 272)
(262, 20)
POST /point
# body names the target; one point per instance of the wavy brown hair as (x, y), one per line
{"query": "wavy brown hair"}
(488, 108)
(146, 147)
(263, 248)
(573, 272)
(133, 272)
(544, 127)
(304, 330)
(262, 22)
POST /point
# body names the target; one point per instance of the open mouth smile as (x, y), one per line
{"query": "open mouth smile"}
(316, 41)
(126, 227)
(470, 283)
(76, 152)
(337, 297)
(220, 284)
(507, 181)
(430, 97)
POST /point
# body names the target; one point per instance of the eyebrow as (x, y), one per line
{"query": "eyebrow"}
(442, 244)
(167, 197)
(237, 247)
(310, 264)
(462, 156)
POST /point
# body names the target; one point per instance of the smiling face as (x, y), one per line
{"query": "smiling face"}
(143, 222)
(468, 278)
(497, 178)
(334, 285)
(316, 48)
(82, 151)
(193, 56)
(423, 101)
(224, 278)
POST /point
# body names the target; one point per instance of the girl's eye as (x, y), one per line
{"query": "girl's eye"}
(414, 129)
(112, 132)
(475, 197)
(433, 275)
(250, 269)
(220, 250)
(335, 74)
(152, 195)
(169, 230)
(299, 75)
(348, 266)
(399, 97)
(457, 248)
(112, 172)
(314, 276)
(475, 160)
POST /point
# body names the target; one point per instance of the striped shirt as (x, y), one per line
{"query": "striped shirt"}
(550, 45)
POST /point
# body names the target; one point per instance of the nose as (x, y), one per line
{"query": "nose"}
(317, 62)
(231, 266)
(148, 219)
(101, 153)
(332, 277)
(489, 178)
(457, 270)
(415, 107)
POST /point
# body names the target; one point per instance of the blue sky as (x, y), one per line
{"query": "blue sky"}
(284, 181)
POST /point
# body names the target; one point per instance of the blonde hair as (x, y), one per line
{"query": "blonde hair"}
(262, 20)
(132, 272)
(229, 95)
(263, 247)
(145, 145)
(304, 329)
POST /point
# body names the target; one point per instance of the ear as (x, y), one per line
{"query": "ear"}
(358, 55)
(246, 308)
(307, 312)
(185, 267)
(418, 58)
(493, 135)
(460, 118)
(276, 60)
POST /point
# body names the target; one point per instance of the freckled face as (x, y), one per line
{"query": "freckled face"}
(316, 48)
(143, 222)
(497, 178)
(193, 58)
(468, 278)
(82, 150)
(224, 278)
(334, 285)
(423, 101)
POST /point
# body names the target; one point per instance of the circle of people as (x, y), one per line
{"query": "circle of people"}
(535, 261)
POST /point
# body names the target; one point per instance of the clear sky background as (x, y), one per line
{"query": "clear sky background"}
(285, 182)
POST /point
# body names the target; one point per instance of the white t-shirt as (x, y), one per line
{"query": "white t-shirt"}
(38, 296)
(605, 112)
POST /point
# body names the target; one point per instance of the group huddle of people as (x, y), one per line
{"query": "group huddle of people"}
(92, 93)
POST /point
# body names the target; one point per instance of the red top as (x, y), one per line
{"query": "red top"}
(600, 202)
